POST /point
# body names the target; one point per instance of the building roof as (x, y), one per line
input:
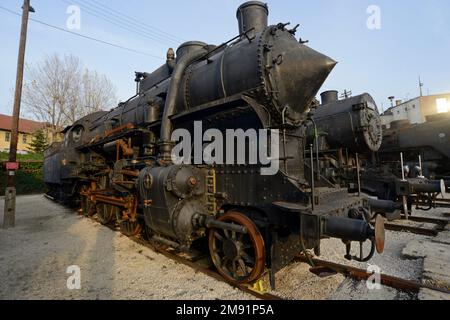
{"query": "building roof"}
(25, 126)
(389, 110)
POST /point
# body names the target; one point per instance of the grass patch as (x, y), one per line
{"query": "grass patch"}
(4, 156)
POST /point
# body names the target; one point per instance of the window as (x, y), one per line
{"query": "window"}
(76, 134)
(24, 138)
(442, 105)
(7, 136)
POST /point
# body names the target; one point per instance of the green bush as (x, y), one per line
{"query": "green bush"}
(29, 179)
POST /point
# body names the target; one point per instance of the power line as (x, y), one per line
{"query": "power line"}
(120, 23)
(85, 37)
(132, 19)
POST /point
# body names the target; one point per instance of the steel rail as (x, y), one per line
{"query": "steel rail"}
(413, 229)
(192, 263)
(205, 270)
(363, 275)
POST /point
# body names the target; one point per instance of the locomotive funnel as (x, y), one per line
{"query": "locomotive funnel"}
(252, 15)
(329, 96)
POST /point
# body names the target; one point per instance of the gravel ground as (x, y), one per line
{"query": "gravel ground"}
(49, 238)
(295, 282)
(35, 255)
(390, 262)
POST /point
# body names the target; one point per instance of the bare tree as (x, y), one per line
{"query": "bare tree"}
(97, 92)
(48, 89)
(59, 91)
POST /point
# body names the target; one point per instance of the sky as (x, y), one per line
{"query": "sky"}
(411, 38)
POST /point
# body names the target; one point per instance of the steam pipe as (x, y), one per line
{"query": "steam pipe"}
(313, 195)
(358, 174)
(165, 143)
(316, 141)
(421, 168)
(404, 200)
(402, 165)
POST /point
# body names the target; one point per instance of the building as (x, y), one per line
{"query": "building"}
(26, 130)
(418, 110)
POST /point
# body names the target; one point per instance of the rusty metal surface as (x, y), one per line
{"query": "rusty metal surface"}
(416, 230)
(128, 126)
(438, 221)
(362, 275)
(380, 235)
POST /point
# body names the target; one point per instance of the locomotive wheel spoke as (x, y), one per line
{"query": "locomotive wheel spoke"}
(238, 257)
(86, 206)
(247, 258)
(106, 213)
(218, 236)
(218, 250)
(224, 262)
(130, 228)
(242, 267)
(234, 268)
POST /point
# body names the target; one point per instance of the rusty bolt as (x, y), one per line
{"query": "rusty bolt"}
(192, 181)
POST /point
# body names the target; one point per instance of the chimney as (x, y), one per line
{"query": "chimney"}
(329, 97)
(252, 14)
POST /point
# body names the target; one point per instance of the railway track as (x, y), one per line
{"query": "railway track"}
(437, 203)
(193, 262)
(320, 266)
(362, 275)
(431, 232)
(207, 270)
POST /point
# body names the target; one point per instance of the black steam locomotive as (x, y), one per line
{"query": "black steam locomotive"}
(120, 165)
(430, 141)
(347, 135)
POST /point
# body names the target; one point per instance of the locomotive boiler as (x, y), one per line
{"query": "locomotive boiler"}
(353, 123)
(120, 164)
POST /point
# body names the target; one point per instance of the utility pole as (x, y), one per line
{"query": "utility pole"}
(420, 86)
(9, 217)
